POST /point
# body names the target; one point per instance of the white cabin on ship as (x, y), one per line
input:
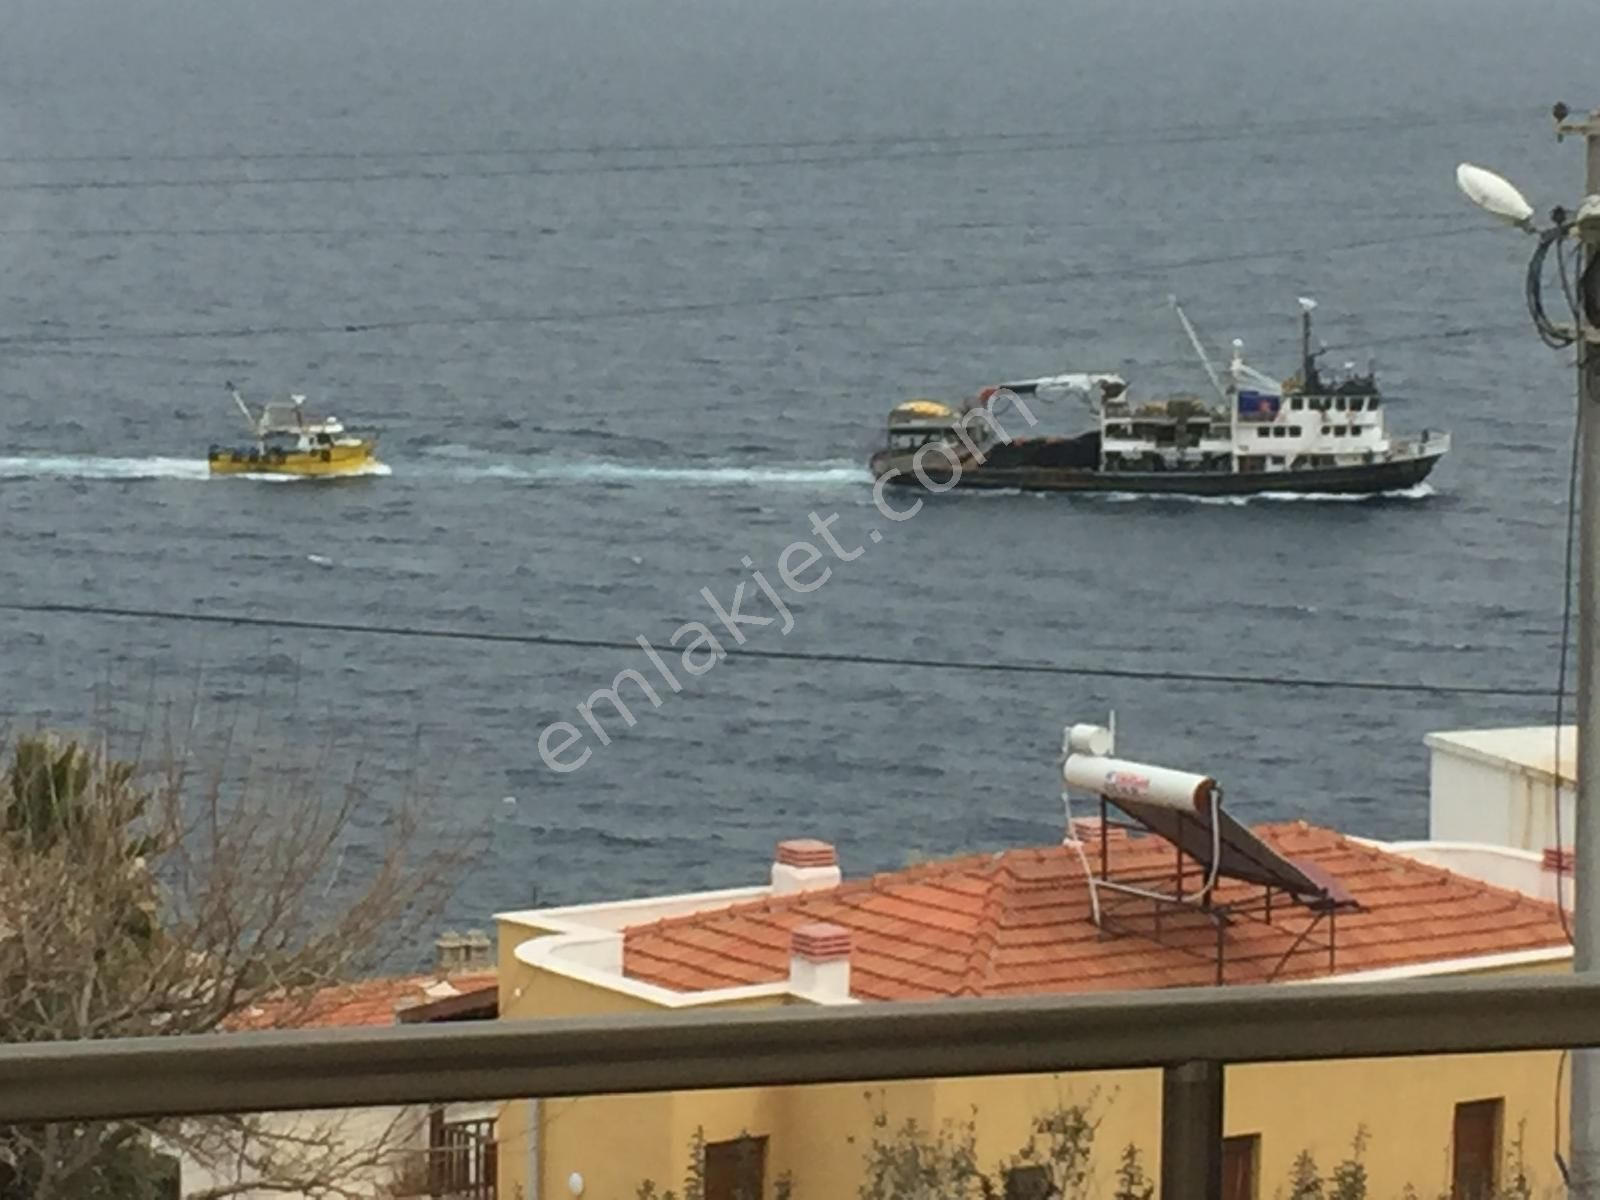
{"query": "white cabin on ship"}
(1265, 427)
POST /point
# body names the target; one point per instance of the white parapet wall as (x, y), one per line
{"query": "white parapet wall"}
(1498, 786)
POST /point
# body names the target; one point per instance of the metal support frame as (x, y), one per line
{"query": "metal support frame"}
(1140, 889)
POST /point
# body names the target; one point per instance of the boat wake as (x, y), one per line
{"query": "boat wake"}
(1421, 491)
(45, 466)
(707, 476)
(447, 463)
(90, 467)
(447, 468)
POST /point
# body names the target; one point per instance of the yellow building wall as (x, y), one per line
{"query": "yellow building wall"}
(614, 1142)
(819, 1135)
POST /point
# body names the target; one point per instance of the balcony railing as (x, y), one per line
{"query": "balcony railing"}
(1193, 1034)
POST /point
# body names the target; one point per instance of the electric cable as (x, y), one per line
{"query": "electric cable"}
(1133, 674)
(707, 306)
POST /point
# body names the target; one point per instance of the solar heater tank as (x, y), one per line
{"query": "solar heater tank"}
(1119, 779)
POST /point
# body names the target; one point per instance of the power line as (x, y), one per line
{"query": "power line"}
(1194, 131)
(1147, 365)
(536, 170)
(687, 308)
(1130, 674)
(380, 230)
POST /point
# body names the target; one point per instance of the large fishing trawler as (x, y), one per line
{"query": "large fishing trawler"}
(1320, 432)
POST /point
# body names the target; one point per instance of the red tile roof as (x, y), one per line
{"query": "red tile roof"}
(1018, 922)
(361, 1002)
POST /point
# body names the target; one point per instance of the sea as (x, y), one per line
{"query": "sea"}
(626, 289)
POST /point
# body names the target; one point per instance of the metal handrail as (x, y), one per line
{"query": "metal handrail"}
(310, 1069)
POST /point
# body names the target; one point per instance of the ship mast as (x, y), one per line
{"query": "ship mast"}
(1211, 373)
(250, 420)
(1307, 364)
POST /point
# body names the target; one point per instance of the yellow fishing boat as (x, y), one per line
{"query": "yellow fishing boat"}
(287, 442)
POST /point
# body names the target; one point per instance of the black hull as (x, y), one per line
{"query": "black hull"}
(1355, 480)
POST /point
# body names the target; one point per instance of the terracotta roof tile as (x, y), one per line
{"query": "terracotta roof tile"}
(361, 1002)
(1018, 922)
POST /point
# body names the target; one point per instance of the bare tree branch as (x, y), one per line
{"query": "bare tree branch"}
(153, 900)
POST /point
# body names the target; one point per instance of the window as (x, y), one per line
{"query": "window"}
(461, 1156)
(1326, 430)
(1294, 431)
(1263, 432)
(1239, 1158)
(1275, 461)
(1475, 1150)
(1355, 404)
(1297, 404)
(1279, 431)
(1340, 431)
(1029, 1183)
(736, 1170)
(1339, 404)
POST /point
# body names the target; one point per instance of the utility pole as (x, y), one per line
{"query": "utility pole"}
(1585, 1144)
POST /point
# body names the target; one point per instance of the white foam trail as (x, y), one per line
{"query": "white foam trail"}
(91, 467)
(1419, 491)
(603, 471)
(613, 472)
(44, 466)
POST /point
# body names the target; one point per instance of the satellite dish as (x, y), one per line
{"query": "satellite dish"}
(1495, 195)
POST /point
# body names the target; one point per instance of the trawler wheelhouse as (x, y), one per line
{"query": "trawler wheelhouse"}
(916, 423)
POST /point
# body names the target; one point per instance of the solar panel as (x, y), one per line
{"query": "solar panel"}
(1243, 856)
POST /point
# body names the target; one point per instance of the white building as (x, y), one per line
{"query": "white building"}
(1499, 786)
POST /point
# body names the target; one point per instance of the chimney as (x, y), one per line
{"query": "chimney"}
(804, 865)
(1558, 858)
(478, 951)
(449, 952)
(819, 963)
(1083, 829)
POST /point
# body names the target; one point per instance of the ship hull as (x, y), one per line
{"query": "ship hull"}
(330, 463)
(1391, 475)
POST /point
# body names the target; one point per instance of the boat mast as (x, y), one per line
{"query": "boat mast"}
(1194, 340)
(1306, 364)
(250, 420)
(1211, 373)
